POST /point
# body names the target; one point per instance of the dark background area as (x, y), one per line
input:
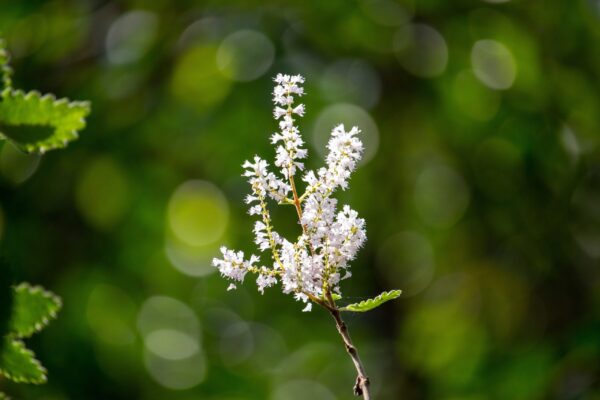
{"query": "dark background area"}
(480, 188)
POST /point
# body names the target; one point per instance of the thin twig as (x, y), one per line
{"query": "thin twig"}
(361, 387)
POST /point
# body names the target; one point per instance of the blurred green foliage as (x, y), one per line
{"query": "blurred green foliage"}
(481, 193)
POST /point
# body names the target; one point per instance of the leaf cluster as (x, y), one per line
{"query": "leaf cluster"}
(32, 309)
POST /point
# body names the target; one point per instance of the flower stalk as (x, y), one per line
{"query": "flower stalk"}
(312, 267)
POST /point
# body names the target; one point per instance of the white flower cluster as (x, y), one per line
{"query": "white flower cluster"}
(311, 266)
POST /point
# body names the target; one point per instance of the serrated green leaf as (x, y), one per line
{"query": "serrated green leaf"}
(370, 304)
(19, 364)
(37, 123)
(33, 309)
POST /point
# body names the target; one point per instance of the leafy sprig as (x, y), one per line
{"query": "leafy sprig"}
(33, 308)
(36, 123)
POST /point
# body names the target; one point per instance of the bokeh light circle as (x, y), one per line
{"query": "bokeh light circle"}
(190, 260)
(421, 50)
(441, 196)
(245, 55)
(179, 374)
(493, 64)
(171, 344)
(130, 36)
(171, 332)
(350, 115)
(102, 193)
(197, 81)
(198, 213)
(163, 312)
(407, 260)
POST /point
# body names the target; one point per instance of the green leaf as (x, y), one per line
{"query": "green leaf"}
(37, 123)
(19, 364)
(33, 309)
(33, 122)
(370, 304)
(3, 396)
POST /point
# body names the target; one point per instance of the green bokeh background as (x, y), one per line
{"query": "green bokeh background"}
(481, 192)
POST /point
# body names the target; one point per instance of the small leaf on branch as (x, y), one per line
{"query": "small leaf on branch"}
(367, 305)
(19, 364)
(37, 123)
(33, 309)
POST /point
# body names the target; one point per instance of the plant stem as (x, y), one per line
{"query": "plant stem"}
(361, 387)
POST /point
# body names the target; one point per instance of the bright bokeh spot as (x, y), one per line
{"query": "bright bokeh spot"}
(16, 166)
(176, 374)
(171, 344)
(350, 115)
(102, 194)
(110, 314)
(494, 64)
(421, 50)
(198, 213)
(245, 55)
(163, 312)
(407, 261)
(171, 333)
(441, 196)
(130, 36)
(191, 260)
(197, 81)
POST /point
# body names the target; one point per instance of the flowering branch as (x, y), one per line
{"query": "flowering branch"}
(310, 268)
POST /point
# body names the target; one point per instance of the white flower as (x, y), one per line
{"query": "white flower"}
(290, 150)
(265, 280)
(319, 259)
(233, 265)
